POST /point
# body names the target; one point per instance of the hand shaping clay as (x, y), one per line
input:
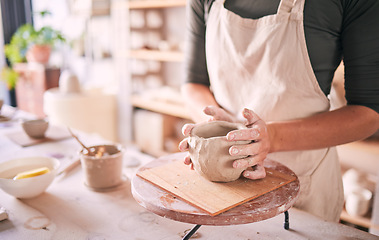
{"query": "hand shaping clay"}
(209, 151)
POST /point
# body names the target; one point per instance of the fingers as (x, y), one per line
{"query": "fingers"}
(254, 148)
(249, 161)
(257, 172)
(183, 145)
(251, 134)
(187, 128)
(256, 134)
(210, 110)
(187, 160)
(218, 113)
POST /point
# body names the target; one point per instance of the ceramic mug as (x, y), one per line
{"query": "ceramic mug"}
(358, 202)
(103, 167)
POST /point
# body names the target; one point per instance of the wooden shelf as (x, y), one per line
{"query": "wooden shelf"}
(166, 56)
(360, 221)
(143, 4)
(154, 105)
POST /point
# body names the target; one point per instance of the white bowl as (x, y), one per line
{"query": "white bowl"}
(27, 187)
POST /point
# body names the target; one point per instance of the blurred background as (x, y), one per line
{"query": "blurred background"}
(114, 67)
(117, 71)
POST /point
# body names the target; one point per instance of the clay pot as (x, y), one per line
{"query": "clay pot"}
(209, 151)
(103, 172)
(39, 54)
(35, 128)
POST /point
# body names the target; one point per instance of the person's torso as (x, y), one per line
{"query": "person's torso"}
(322, 27)
(262, 64)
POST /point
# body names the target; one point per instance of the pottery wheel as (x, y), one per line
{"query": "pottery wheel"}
(167, 205)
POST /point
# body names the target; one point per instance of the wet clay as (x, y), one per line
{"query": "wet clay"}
(105, 171)
(209, 151)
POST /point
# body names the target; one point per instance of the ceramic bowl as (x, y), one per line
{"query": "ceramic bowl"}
(27, 187)
(35, 128)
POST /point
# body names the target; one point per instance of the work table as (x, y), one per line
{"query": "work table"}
(69, 210)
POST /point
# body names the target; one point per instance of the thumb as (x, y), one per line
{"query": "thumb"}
(210, 111)
(250, 116)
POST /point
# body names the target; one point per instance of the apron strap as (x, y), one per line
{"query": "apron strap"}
(287, 6)
(298, 6)
(294, 7)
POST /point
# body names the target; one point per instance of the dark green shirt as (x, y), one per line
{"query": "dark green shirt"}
(334, 30)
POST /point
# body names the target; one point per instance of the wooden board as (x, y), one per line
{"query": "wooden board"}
(214, 198)
(52, 134)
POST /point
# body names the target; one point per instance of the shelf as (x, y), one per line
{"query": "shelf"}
(360, 221)
(156, 55)
(143, 4)
(164, 107)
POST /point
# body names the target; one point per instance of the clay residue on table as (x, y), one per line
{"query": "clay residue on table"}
(167, 200)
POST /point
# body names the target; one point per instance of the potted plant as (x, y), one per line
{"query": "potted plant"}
(40, 43)
(29, 44)
(32, 45)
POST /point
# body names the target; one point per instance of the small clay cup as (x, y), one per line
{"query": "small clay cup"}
(35, 128)
(209, 151)
(102, 173)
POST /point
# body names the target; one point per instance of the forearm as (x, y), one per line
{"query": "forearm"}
(347, 124)
(197, 97)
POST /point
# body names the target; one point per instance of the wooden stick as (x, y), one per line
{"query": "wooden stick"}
(77, 139)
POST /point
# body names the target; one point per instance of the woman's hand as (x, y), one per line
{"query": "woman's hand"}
(256, 133)
(257, 150)
(183, 145)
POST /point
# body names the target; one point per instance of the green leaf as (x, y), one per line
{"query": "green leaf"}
(9, 76)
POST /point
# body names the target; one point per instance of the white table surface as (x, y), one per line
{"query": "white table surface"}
(68, 210)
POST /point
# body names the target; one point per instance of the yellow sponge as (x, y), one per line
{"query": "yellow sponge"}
(32, 173)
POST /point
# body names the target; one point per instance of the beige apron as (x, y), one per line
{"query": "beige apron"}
(263, 64)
